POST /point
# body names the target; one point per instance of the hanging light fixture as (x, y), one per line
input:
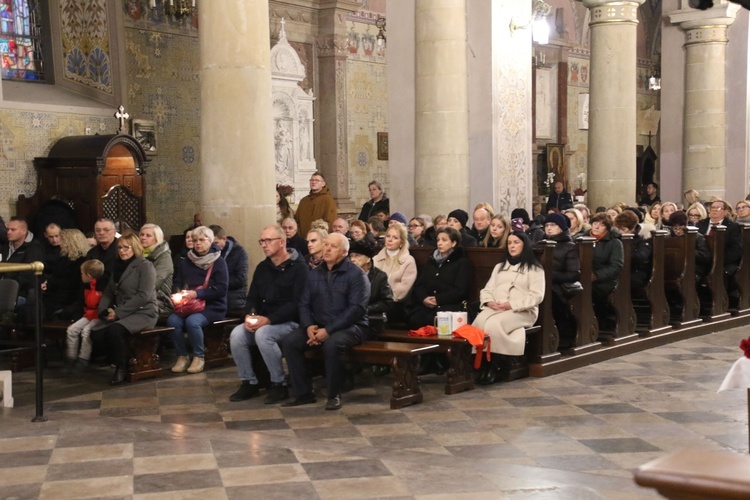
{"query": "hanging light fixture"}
(177, 9)
(538, 23)
(380, 23)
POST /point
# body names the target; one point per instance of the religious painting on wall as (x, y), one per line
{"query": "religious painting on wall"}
(555, 165)
(382, 145)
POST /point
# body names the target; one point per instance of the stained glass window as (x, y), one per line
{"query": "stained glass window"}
(21, 40)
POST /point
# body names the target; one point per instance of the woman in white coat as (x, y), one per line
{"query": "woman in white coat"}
(509, 303)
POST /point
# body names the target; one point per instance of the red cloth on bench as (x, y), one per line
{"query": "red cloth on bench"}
(425, 331)
(475, 336)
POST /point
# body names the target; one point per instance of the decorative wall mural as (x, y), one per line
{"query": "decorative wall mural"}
(85, 42)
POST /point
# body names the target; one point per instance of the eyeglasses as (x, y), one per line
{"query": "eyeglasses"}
(694, 216)
(266, 241)
(122, 248)
(742, 207)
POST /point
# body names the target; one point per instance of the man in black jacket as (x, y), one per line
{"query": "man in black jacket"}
(733, 239)
(21, 248)
(105, 250)
(272, 314)
(293, 239)
(559, 200)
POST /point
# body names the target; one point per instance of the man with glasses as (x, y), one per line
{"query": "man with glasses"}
(482, 216)
(105, 251)
(718, 215)
(319, 204)
(272, 314)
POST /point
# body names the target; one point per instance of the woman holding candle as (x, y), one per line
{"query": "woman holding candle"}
(202, 275)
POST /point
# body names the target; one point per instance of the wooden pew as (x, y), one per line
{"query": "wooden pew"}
(587, 326)
(655, 311)
(715, 304)
(693, 474)
(543, 347)
(624, 330)
(679, 278)
(742, 277)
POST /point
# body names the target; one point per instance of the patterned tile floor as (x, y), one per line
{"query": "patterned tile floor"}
(575, 435)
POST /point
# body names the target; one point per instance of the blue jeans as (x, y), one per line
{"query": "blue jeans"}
(267, 338)
(193, 324)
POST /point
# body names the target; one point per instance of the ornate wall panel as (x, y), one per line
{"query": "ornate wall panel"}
(85, 42)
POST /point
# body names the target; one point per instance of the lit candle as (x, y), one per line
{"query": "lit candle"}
(252, 321)
(193, 3)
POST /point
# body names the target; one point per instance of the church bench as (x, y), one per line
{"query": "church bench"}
(742, 277)
(650, 303)
(403, 358)
(457, 350)
(712, 293)
(144, 345)
(215, 340)
(679, 279)
(587, 326)
(697, 474)
(621, 302)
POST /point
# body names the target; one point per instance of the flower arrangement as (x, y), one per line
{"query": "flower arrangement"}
(550, 180)
(579, 190)
(284, 190)
(745, 346)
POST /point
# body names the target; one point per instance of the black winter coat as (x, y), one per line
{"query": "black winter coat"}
(369, 208)
(640, 261)
(566, 261)
(29, 251)
(237, 267)
(609, 260)
(275, 290)
(732, 243)
(381, 295)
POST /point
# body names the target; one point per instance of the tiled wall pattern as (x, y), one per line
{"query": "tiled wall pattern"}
(25, 135)
(162, 60)
(85, 41)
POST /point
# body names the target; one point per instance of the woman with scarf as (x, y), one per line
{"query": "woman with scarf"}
(128, 304)
(394, 259)
(202, 275)
(157, 251)
(509, 303)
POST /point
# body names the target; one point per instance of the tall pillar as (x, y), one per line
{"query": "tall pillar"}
(704, 143)
(612, 101)
(237, 151)
(332, 45)
(442, 109)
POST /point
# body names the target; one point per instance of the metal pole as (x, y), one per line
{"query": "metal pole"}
(39, 350)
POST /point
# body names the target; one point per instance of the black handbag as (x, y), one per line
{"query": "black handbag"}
(571, 289)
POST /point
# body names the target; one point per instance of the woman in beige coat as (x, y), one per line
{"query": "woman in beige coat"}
(394, 259)
(509, 303)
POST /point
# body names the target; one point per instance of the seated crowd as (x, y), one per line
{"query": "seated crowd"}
(330, 284)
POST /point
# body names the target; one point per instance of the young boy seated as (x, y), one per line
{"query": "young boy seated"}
(77, 360)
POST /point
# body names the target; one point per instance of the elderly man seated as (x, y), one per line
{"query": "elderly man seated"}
(333, 317)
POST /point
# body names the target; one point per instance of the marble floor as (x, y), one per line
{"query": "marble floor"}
(576, 435)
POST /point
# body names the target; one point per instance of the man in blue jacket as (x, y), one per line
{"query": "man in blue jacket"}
(237, 266)
(272, 314)
(333, 317)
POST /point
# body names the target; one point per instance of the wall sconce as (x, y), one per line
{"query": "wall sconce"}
(538, 22)
(380, 23)
(654, 83)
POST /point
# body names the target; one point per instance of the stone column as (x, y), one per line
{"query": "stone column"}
(332, 97)
(612, 104)
(704, 142)
(442, 109)
(237, 151)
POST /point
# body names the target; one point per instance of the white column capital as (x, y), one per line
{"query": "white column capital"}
(719, 15)
(612, 11)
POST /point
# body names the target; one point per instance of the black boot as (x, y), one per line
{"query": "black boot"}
(493, 373)
(119, 376)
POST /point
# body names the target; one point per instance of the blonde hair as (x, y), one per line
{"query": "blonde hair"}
(403, 235)
(504, 238)
(699, 207)
(320, 223)
(158, 233)
(134, 241)
(73, 244)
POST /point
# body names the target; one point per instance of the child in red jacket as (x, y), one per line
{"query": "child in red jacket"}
(91, 270)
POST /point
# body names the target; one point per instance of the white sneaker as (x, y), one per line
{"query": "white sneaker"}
(181, 365)
(197, 365)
